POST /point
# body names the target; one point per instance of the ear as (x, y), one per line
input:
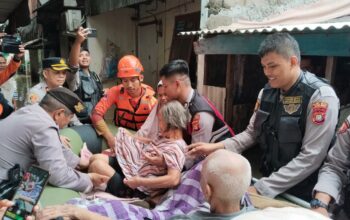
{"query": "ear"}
(57, 114)
(141, 77)
(294, 61)
(45, 72)
(207, 192)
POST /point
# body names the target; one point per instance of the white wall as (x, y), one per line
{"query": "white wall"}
(115, 26)
(119, 28)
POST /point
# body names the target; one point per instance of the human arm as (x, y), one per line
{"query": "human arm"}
(315, 143)
(238, 143)
(48, 152)
(81, 35)
(171, 179)
(68, 211)
(332, 175)
(12, 67)
(98, 113)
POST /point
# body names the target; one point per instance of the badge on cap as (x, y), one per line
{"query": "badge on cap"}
(79, 107)
(319, 110)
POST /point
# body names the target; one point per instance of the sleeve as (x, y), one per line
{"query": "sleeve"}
(101, 108)
(174, 157)
(9, 71)
(73, 80)
(49, 154)
(333, 174)
(319, 132)
(247, 138)
(202, 125)
(71, 158)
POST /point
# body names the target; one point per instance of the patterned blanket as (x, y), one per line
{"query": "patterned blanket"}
(181, 200)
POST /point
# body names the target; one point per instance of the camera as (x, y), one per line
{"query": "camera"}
(92, 32)
(10, 44)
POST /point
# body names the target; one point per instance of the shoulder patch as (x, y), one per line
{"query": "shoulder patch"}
(345, 126)
(1, 109)
(33, 98)
(319, 110)
(195, 123)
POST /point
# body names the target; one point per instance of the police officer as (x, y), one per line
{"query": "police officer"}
(6, 71)
(133, 100)
(294, 122)
(54, 73)
(81, 80)
(30, 136)
(334, 175)
(207, 124)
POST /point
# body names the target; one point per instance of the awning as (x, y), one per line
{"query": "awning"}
(322, 27)
(97, 7)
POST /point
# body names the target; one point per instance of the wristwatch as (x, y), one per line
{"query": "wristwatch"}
(315, 203)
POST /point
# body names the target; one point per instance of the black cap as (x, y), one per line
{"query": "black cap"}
(67, 98)
(55, 63)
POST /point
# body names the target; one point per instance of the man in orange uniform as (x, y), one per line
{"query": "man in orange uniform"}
(133, 100)
(6, 71)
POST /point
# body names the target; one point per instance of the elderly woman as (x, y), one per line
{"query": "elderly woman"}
(131, 172)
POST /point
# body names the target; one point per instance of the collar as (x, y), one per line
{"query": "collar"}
(189, 98)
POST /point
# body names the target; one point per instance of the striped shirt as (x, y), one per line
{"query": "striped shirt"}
(130, 157)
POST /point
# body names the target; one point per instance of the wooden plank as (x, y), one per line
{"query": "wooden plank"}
(319, 44)
(229, 88)
(330, 69)
(217, 96)
(200, 73)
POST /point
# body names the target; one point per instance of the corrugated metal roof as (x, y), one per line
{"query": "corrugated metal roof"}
(273, 28)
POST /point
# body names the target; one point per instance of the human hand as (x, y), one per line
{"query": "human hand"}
(110, 142)
(132, 182)
(21, 52)
(98, 179)
(202, 149)
(65, 211)
(252, 190)
(154, 157)
(4, 204)
(322, 211)
(65, 141)
(81, 35)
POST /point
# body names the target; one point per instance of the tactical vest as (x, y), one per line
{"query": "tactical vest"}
(5, 108)
(89, 91)
(281, 122)
(133, 118)
(220, 130)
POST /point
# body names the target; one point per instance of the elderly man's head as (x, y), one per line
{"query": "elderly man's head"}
(225, 178)
(162, 98)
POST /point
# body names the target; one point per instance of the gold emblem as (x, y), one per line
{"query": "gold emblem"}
(79, 107)
(291, 104)
(62, 61)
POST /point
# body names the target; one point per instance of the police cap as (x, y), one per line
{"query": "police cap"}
(55, 63)
(67, 98)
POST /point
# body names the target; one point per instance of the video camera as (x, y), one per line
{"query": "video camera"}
(10, 44)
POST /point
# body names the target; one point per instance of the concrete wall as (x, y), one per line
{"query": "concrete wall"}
(152, 48)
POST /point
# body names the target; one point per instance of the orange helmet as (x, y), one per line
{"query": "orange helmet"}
(129, 66)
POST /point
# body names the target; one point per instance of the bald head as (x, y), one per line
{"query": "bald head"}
(227, 174)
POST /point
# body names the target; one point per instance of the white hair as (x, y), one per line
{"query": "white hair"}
(175, 115)
(229, 174)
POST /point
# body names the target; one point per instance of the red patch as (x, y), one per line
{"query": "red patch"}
(345, 126)
(1, 109)
(319, 110)
(195, 123)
